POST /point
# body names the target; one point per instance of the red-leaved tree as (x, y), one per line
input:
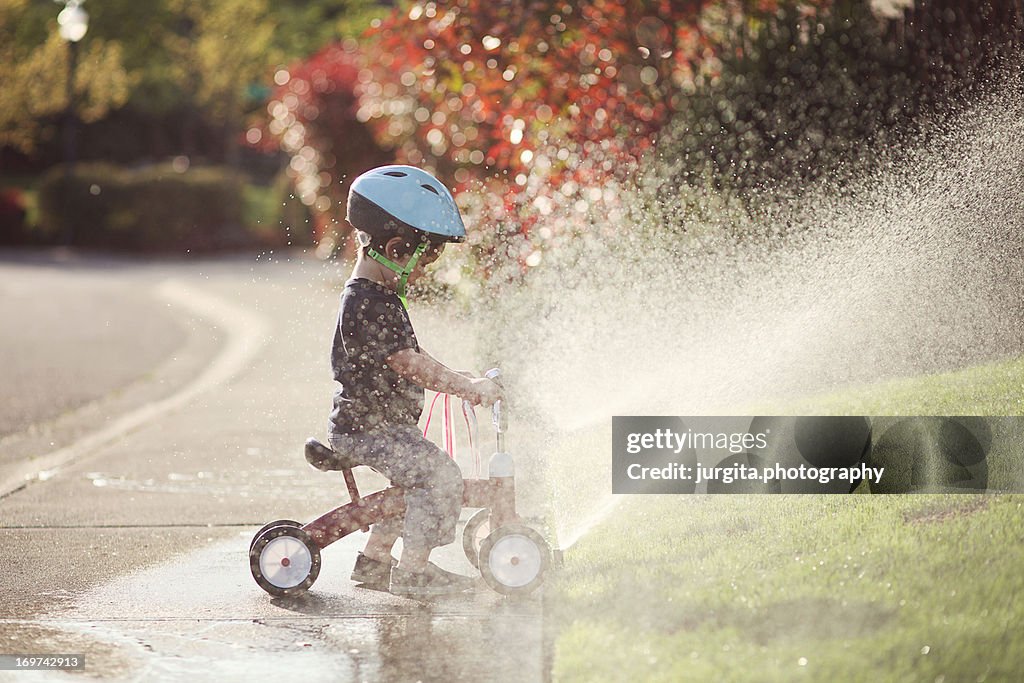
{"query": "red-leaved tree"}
(543, 102)
(312, 116)
(546, 103)
(540, 107)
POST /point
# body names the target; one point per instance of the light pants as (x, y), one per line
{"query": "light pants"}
(431, 481)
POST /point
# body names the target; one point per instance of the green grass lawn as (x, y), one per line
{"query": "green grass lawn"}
(991, 389)
(774, 588)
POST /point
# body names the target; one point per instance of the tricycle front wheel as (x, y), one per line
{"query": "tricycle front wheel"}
(513, 559)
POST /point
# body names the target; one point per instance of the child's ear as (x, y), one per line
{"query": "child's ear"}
(393, 248)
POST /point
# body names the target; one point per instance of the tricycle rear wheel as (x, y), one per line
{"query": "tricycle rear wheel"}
(285, 561)
(477, 529)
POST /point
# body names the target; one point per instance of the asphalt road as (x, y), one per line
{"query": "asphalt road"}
(66, 339)
(128, 504)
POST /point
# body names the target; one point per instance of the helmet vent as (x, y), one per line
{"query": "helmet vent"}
(431, 188)
(396, 174)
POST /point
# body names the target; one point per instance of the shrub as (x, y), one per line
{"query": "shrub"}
(275, 216)
(12, 216)
(150, 209)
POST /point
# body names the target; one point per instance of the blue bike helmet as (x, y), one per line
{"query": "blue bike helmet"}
(403, 201)
(397, 199)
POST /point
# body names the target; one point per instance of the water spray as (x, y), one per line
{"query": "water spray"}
(679, 311)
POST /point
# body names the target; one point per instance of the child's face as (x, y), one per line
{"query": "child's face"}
(432, 253)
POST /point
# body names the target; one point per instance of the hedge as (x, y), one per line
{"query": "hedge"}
(150, 209)
(12, 216)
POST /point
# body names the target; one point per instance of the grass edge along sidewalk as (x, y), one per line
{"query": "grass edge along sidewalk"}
(766, 588)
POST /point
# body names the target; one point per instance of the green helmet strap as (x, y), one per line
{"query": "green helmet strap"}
(403, 271)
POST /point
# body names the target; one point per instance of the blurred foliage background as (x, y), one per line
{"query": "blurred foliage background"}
(534, 109)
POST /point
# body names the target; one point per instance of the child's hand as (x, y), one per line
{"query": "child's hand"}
(482, 391)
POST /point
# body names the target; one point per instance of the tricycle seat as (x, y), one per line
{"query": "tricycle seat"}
(326, 459)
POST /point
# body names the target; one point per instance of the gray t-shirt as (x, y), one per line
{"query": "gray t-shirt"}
(372, 325)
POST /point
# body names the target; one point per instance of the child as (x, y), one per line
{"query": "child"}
(403, 217)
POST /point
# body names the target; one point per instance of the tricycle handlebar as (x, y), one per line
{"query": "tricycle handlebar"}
(498, 417)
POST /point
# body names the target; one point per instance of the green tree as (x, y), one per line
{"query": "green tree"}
(219, 51)
(303, 27)
(171, 64)
(33, 81)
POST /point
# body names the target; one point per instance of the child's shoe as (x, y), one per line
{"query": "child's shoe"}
(372, 572)
(432, 581)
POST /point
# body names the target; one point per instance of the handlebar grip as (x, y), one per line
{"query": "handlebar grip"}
(498, 418)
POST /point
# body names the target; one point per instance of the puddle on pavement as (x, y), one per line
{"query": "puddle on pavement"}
(241, 482)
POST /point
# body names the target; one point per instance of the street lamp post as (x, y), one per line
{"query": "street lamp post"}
(73, 22)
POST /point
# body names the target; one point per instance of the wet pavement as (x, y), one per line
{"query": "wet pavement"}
(128, 540)
(201, 615)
